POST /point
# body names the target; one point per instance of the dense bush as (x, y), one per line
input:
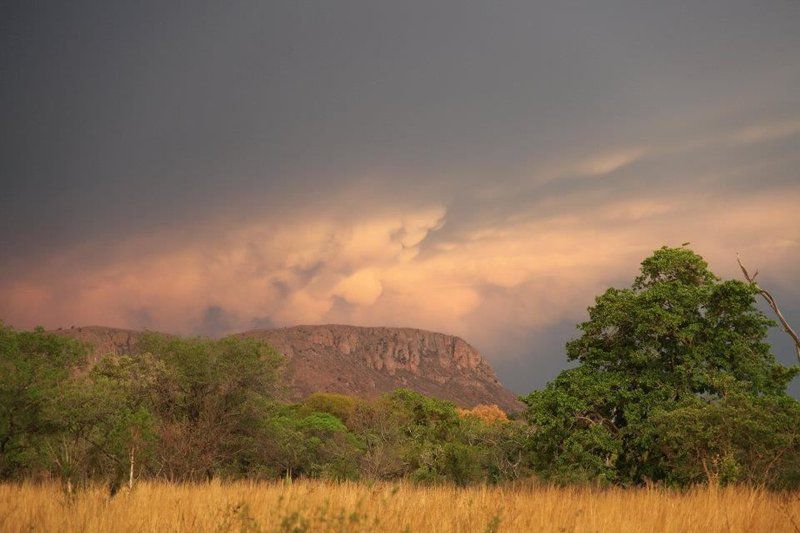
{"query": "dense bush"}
(193, 409)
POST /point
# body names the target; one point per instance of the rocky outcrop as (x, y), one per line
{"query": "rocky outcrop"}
(359, 361)
(369, 361)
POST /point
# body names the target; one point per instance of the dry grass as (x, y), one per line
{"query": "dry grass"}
(319, 506)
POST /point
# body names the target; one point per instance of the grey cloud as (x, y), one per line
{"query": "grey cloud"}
(281, 288)
(304, 275)
(523, 347)
(160, 113)
(214, 321)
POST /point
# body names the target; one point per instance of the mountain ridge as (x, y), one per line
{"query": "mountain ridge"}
(357, 360)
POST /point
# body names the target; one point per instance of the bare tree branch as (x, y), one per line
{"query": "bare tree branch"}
(773, 304)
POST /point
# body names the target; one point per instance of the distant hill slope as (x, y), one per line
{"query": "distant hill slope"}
(359, 361)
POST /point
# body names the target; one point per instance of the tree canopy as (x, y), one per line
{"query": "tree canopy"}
(189, 409)
(680, 343)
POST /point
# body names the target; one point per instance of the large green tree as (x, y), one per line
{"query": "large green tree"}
(678, 336)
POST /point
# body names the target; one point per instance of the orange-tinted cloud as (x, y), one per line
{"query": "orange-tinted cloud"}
(385, 267)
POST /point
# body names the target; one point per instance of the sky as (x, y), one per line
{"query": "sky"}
(483, 169)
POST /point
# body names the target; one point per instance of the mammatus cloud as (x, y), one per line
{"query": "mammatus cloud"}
(363, 287)
(290, 270)
(400, 267)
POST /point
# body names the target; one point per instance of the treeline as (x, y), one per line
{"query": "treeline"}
(193, 409)
(673, 383)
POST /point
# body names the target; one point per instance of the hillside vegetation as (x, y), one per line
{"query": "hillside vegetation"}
(673, 385)
(351, 360)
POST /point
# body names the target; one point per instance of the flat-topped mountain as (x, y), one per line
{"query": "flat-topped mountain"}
(361, 361)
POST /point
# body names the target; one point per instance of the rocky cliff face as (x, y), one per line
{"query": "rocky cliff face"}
(360, 361)
(370, 361)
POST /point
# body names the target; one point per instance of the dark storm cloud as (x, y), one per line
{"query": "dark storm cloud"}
(435, 164)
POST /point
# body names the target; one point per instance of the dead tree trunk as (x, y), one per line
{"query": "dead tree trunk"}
(773, 305)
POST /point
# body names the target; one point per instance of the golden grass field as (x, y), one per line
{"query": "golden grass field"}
(319, 506)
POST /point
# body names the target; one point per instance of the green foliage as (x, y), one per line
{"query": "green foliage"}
(100, 420)
(183, 407)
(428, 440)
(576, 436)
(190, 409)
(206, 375)
(34, 368)
(313, 444)
(739, 438)
(207, 395)
(679, 336)
(338, 405)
